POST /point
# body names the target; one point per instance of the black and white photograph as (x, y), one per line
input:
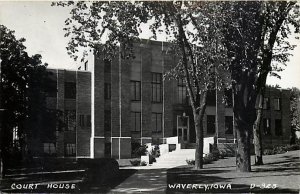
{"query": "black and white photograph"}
(149, 96)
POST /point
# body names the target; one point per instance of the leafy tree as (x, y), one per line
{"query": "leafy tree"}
(242, 30)
(200, 53)
(19, 96)
(295, 113)
(277, 20)
(252, 31)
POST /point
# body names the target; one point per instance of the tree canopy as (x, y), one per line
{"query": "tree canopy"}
(24, 84)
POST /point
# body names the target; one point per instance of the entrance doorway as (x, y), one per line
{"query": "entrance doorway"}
(183, 129)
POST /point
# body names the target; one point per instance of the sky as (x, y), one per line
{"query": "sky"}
(42, 27)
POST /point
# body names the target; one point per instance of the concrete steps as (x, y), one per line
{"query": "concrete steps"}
(175, 158)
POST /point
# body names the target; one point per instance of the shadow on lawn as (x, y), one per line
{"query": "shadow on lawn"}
(187, 180)
(25, 177)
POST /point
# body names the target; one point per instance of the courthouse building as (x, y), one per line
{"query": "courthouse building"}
(108, 108)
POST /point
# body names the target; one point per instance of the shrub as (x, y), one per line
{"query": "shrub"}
(135, 162)
(281, 149)
(143, 163)
(190, 162)
(155, 151)
(139, 150)
(215, 153)
(151, 159)
(206, 159)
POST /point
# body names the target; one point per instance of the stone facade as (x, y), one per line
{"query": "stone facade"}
(125, 102)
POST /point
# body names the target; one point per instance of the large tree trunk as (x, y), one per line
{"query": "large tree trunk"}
(257, 139)
(199, 141)
(244, 117)
(243, 160)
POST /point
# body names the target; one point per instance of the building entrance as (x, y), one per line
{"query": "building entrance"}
(183, 129)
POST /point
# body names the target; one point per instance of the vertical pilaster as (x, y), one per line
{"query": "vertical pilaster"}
(146, 60)
(169, 97)
(83, 107)
(97, 132)
(61, 108)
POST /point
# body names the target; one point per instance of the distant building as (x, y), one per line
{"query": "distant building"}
(109, 107)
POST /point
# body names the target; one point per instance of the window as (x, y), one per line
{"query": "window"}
(267, 126)
(276, 103)
(228, 97)
(107, 91)
(49, 148)
(107, 66)
(135, 121)
(211, 98)
(156, 122)
(107, 150)
(266, 104)
(228, 125)
(81, 120)
(182, 92)
(52, 89)
(278, 127)
(70, 120)
(135, 90)
(211, 126)
(107, 120)
(156, 87)
(88, 120)
(70, 90)
(70, 149)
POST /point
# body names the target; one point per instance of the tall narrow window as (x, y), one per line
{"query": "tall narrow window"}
(70, 149)
(276, 103)
(228, 97)
(70, 120)
(81, 120)
(211, 124)
(228, 125)
(182, 92)
(135, 90)
(266, 104)
(107, 91)
(156, 87)
(88, 120)
(70, 90)
(211, 98)
(49, 148)
(107, 66)
(278, 127)
(267, 126)
(135, 121)
(107, 120)
(156, 122)
(52, 89)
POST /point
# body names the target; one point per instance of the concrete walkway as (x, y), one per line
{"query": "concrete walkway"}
(281, 173)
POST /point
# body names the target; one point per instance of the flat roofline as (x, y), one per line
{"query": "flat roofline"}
(61, 69)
